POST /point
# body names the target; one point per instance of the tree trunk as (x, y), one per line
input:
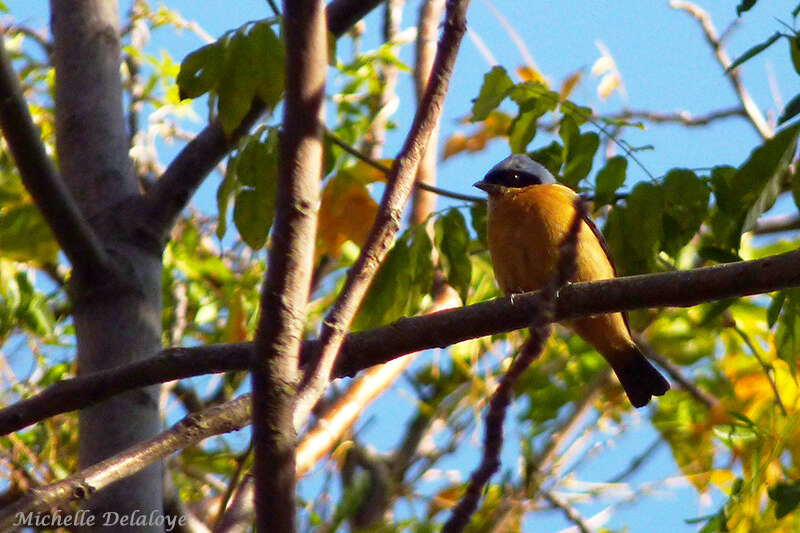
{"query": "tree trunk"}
(117, 319)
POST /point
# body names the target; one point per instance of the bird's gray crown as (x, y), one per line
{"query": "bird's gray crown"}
(518, 170)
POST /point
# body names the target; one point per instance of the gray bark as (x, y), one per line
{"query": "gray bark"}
(118, 318)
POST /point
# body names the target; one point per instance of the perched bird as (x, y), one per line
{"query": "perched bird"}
(529, 215)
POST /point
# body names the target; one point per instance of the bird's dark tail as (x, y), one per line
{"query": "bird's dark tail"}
(639, 378)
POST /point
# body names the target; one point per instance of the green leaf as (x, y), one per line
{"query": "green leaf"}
(717, 254)
(551, 157)
(250, 217)
(786, 496)
(452, 240)
(200, 70)
(610, 178)
(496, 85)
(534, 96)
(791, 110)
(522, 131)
(796, 189)
(774, 308)
(758, 181)
(744, 194)
(237, 85)
(794, 51)
(404, 278)
(25, 236)
(579, 114)
(634, 231)
(787, 336)
(743, 6)
(755, 50)
(579, 152)
(226, 188)
(685, 207)
(271, 62)
(479, 215)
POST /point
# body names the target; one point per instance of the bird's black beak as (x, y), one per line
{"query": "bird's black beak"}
(484, 186)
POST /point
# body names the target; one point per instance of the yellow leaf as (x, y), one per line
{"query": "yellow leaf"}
(455, 144)
(607, 85)
(602, 65)
(569, 83)
(346, 213)
(365, 173)
(722, 478)
(528, 73)
(753, 385)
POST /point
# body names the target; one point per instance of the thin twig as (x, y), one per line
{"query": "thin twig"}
(677, 375)
(234, 483)
(776, 224)
(569, 511)
(78, 241)
(683, 118)
(386, 170)
(638, 461)
(387, 223)
(768, 370)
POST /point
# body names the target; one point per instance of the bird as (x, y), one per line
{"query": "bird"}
(529, 216)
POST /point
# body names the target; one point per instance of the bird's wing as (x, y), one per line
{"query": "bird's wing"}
(604, 245)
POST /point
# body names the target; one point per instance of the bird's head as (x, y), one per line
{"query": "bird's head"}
(515, 171)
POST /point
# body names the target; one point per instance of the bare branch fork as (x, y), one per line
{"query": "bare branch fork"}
(438, 330)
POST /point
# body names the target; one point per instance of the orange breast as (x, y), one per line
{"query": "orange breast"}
(526, 228)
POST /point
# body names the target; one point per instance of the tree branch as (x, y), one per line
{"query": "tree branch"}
(680, 117)
(387, 170)
(41, 179)
(171, 193)
(438, 330)
(776, 224)
(319, 441)
(216, 420)
(284, 297)
(676, 373)
(569, 511)
(753, 113)
(387, 222)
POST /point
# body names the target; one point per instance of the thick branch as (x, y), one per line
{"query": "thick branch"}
(284, 298)
(171, 193)
(387, 223)
(77, 240)
(438, 330)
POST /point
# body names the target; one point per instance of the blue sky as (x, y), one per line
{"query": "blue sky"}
(666, 66)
